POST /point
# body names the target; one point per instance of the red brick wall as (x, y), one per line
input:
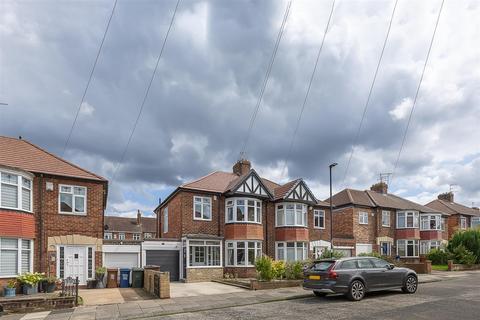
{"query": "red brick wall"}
(17, 224)
(454, 224)
(431, 235)
(385, 231)
(291, 234)
(407, 233)
(365, 233)
(343, 223)
(319, 234)
(241, 272)
(243, 231)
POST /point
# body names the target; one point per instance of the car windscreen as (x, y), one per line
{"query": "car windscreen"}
(322, 265)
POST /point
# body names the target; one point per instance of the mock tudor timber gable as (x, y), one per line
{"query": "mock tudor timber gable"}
(301, 192)
(251, 185)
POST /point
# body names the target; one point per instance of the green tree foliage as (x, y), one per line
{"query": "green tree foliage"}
(465, 242)
(264, 268)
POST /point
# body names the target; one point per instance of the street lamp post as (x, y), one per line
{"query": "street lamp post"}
(331, 210)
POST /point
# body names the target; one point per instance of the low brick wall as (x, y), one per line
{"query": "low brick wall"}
(203, 274)
(424, 267)
(31, 304)
(160, 287)
(459, 267)
(274, 284)
(239, 272)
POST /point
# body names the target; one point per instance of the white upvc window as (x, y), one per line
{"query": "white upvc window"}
(291, 214)
(242, 253)
(319, 219)
(363, 217)
(15, 191)
(407, 248)
(147, 235)
(427, 245)
(444, 223)
(247, 210)
(407, 219)
(202, 208)
(475, 222)
(165, 220)
(121, 236)
(291, 251)
(137, 236)
(463, 223)
(72, 199)
(108, 236)
(430, 222)
(385, 248)
(204, 253)
(385, 218)
(16, 257)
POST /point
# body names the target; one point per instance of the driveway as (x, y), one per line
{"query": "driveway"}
(97, 297)
(179, 289)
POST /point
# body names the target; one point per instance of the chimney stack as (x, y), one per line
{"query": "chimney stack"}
(447, 196)
(139, 218)
(242, 167)
(380, 187)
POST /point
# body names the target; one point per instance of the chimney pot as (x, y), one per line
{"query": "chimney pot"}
(139, 217)
(242, 167)
(447, 196)
(380, 187)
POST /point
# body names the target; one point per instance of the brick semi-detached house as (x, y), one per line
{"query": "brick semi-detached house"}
(222, 222)
(374, 220)
(461, 217)
(51, 214)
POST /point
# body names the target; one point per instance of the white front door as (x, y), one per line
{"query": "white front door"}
(76, 263)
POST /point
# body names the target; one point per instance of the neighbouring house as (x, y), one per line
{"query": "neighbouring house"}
(222, 222)
(123, 238)
(51, 214)
(461, 217)
(375, 220)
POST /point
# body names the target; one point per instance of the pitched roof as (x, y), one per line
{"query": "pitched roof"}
(217, 181)
(130, 224)
(351, 196)
(282, 191)
(21, 154)
(452, 207)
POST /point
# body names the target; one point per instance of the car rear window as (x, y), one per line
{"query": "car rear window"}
(349, 264)
(322, 265)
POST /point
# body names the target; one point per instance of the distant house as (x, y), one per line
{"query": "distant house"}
(51, 214)
(461, 217)
(120, 229)
(375, 220)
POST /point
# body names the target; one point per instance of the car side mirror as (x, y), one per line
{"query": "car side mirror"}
(390, 266)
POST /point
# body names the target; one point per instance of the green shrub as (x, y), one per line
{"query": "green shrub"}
(438, 256)
(101, 270)
(371, 254)
(326, 254)
(12, 283)
(469, 239)
(294, 270)
(31, 279)
(278, 269)
(462, 255)
(264, 268)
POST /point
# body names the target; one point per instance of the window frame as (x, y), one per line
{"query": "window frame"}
(137, 235)
(258, 250)
(361, 217)
(463, 223)
(477, 223)
(202, 203)
(303, 214)
(121, 236)
(147, 235)
(105, 237)
(425, 246)
(284, 246)
(428, 219)
(205, 244)
(318, 213)
(406, 242)
(389, 248)
(165, 220)
(74, 196)
(19, 249)
(20, 187)
(406, 214)
(257, 207)
(384, 214)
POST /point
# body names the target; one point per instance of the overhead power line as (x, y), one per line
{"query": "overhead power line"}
(297, 125)
(89, 79)
(145, 95)
(265, 80)
(418, 90)
(367, 103)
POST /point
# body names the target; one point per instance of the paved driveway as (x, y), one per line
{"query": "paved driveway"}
(97, 297)
(178, 289)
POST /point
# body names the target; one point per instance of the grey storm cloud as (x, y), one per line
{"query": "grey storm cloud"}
(209, 78)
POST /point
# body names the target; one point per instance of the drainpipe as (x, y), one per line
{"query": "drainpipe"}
(265, 220)
(41, 225)
(218, 213)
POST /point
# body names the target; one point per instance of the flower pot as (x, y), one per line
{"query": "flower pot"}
(100, 277)
(28, 289)
(9, 292)
(91, 284)
(50, 287)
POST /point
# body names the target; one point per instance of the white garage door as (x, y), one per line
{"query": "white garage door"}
(121, 260)
(364, 248)
(346, 252)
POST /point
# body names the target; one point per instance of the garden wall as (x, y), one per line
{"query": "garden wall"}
(424, 267)
(157, 283)
(459, 267)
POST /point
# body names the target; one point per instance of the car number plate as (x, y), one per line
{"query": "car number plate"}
(314, 277)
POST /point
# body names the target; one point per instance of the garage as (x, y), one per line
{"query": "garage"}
(121, 256)
(168, 260)
(363, 248)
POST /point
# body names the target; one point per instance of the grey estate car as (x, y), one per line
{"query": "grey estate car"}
(356, 276)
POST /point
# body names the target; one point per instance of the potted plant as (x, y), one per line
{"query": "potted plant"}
(11, 288)
(50, 284)
(100, 275)
(30, 282)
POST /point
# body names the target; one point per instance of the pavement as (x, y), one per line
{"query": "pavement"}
(213, 306)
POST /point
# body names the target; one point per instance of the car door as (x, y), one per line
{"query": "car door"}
(385, 276)
(367, 271)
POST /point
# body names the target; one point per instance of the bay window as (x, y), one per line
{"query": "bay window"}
(427, 245)
(291, 251)
(15, 191)
(407, 219)
(243, 253)
(72, 199)
(202, 208)
(430, 222)
(204, 253)
(319, 219)
(291, 214)
(16, 256)
(243, 210)
(407, 248)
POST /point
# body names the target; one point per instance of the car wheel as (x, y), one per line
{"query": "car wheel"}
(319, 294)
(356, 291)
(410, 285)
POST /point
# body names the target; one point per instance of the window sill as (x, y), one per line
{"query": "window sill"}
(203, 267)
(409, 257)
(200, 219)
(385, 226)
(73, 214)
(7, 277)
(319, 228)
(431, 230)
(16, 209)
(243, 222)
(407, 228)
(293, 226)
(239, 266)
(363, 224)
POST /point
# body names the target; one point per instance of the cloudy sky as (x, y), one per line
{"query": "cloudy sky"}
(209, 79)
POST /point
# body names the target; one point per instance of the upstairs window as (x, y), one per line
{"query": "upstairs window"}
(363, 217)
(121, 236)
(291, 214)
(73, 199)
(385, 218)
(165, 220)
(431, 222)
(243, 210)
(202, 208)
(407, 219)
(107, 236)
(136, 236)
(15, 191)
(319, 219)
(147, 235)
